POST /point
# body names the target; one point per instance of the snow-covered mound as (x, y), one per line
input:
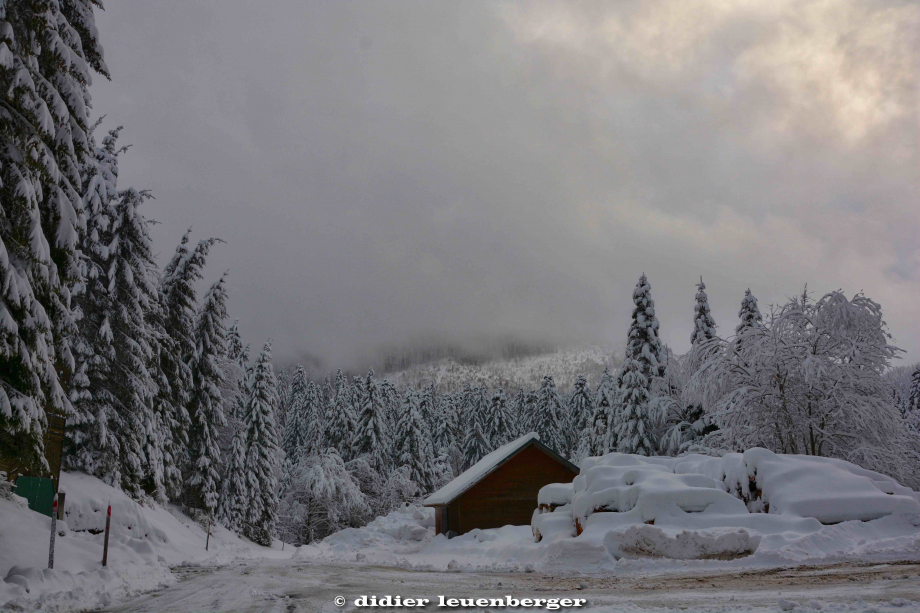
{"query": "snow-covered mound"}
(144, 541)
(705, 507)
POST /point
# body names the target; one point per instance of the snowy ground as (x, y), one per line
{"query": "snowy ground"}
(144, 544)
(313, 586)
(159, 552)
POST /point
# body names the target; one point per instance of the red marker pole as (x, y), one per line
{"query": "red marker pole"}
(105, 545)
(54, 509)
(208, 541)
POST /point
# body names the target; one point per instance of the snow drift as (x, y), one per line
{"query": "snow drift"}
(707, 507)
(144, 542)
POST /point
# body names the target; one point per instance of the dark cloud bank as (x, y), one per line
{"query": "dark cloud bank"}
(437, 173)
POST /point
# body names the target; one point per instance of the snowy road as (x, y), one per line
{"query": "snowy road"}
(299, 586)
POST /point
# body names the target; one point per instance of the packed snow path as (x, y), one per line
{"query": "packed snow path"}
(283, 586)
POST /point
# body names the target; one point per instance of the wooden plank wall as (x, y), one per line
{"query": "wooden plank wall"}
(508, 495)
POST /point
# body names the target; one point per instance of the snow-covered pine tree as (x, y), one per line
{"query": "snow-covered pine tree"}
(315, 415)
(297, 429)
(517, 412)
(48, 52)
(261, 450)
(913, 401)
(642, 342)
(549, 415)
(577, 433)
(603, 437)
(634, 435)
(413, 444)
(206, 406)
(443, 433)
(749, 314)
(178, 304)
(284, 399)
(446, 444)
(392, 404)
(372, 433)
(235, 343)
(704, 326)
(645, 349)
(234, 497)
(341, 422)
(476, 443)
(529, 412)
(112, 389)
(501, 428)
(427, 406)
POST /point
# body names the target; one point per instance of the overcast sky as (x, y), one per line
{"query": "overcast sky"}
(387, 171)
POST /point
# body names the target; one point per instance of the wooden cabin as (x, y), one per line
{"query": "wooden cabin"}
(501, 489)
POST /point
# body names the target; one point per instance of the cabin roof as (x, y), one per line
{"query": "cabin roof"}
(487, 465)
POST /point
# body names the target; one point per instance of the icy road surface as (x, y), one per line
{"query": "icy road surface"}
(303, 586)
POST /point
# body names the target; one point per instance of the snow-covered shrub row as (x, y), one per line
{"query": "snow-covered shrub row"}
(703, 506)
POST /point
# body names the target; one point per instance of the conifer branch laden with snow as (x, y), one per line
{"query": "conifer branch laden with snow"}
(261, 447)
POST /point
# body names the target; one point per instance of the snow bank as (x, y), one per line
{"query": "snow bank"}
(714, 544)
(685, 545)
(704, 507)
(144, 542)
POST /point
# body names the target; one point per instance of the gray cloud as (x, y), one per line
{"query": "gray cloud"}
(388, 171)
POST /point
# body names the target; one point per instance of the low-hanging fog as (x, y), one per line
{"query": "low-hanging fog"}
(392, 173)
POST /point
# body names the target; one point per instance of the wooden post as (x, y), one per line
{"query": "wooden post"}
(54, 509)
(105, 545)
(62, 495)
(208, 540)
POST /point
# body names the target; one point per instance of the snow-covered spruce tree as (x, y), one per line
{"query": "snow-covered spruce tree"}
(913, 400)
(261, 450)
(234, 498)
(603, 434)
(314, 416)
(235, 342)
(476, 443)
(392, 404)
(284, 399)
(372, 435)
(114, 343)
(447, 445)
(529, 412)
(749, 314)
(47, 52)
(501, 427)
(322, 499)
(178, 305)
(206, 407)
(578, 430)
(517, 412)
(548, 416)
(811, 382)
(340, 424)
(427, 405)
(634, 434)
(642, 343)
(297, 429)
(645, 349)
(413, 444)
(704, 326)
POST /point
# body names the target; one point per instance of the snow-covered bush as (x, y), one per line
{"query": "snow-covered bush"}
(323, 498)
(811, 381)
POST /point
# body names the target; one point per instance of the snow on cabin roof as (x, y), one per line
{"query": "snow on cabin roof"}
(483, 467)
